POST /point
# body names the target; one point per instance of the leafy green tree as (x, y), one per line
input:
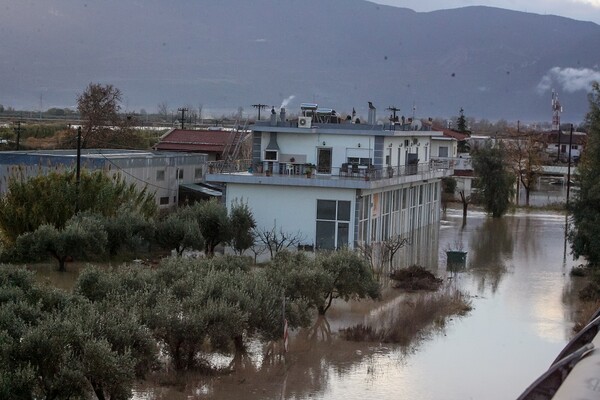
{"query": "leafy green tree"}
(494, 180)
(585, 209)
(331, 275)
(461, 122)
(179, 231)
(242, 223)
(352, 278)
(214, 224)
(81, 236)
(53, 199)
(56, 345)
(126, 229)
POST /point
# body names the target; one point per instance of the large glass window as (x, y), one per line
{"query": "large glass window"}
(333, 224)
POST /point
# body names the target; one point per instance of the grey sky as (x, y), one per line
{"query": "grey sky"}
(584, 10)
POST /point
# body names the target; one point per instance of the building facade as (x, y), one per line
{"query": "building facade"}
(163, 174)
(337, 183)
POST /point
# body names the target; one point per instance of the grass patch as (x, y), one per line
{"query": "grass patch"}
(409, 320)
(415, 278)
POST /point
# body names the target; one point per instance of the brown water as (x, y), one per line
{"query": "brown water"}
(523, 299)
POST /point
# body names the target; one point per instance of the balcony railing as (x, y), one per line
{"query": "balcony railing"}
(345, 172)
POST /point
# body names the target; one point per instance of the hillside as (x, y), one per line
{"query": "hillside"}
(338, 53)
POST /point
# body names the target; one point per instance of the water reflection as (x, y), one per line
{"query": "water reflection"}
(492, 245)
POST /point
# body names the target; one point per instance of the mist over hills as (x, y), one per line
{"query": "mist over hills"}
(225, 54)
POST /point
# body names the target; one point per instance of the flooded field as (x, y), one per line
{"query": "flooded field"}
(517, 278)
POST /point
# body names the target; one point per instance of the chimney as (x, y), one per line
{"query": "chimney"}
(273, 142)
(282, 114)
(273, 117)
(372, 116)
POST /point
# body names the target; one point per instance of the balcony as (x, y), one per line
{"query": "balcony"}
(287, 174)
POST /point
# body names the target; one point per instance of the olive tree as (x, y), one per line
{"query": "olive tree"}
(214, 224)
(242, 224)
(81, 236)
(494, 180)
(179, 231)
(57, 345)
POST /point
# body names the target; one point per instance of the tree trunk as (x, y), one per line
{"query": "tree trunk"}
(62, 264)
(98, 391)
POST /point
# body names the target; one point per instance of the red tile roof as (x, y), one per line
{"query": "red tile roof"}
(195, 140)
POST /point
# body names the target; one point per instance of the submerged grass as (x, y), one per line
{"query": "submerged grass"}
(410, 320)
(415, 278)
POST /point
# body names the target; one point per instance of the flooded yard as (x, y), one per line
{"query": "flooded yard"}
(517, 276)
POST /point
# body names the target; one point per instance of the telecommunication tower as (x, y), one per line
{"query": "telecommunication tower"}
(556, 110)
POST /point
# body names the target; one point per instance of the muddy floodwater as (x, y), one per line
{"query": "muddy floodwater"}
(517, 277)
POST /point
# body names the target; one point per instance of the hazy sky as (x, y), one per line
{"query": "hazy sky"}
(584, 10)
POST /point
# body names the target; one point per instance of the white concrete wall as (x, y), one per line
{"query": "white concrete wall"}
(294, 209)
(352, 144)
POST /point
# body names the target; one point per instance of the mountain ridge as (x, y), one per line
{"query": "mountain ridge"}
(494, 63)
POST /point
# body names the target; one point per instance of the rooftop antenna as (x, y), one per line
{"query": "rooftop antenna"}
(260, 107)
(393, 119)
(414, 110)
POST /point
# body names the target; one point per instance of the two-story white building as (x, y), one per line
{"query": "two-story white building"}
(337, 182)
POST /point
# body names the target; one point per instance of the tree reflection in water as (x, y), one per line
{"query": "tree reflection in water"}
(491, 245)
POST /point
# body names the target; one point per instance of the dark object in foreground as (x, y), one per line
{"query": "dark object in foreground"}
(415, 277)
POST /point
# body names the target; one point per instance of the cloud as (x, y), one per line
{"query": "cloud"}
(570, 79)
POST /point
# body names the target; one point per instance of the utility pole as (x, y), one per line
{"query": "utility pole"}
(569, 166)
(183, 110)
(18, 129)
(78, 170)
(259, 107)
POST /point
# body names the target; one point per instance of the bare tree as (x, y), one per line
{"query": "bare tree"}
(163, 110)
(99, 107)
(525, 152)
(276, 240)
(391, 246)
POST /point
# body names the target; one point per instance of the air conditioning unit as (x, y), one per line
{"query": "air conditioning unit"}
(304, 122)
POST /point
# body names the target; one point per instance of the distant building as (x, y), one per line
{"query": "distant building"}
(172, 177)
(558, 144)
(216, 143)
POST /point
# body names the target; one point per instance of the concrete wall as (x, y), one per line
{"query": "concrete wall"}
(138, 168)
(294, 209)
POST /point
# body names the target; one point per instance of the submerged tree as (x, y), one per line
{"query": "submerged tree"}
(82, 235)
(495, 182)
(585, 209)
(525, 153)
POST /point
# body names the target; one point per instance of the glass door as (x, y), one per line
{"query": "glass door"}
(324, 160)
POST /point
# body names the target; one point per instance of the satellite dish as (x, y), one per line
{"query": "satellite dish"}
(416, 125)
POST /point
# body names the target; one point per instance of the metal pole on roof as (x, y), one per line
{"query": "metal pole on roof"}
(260, 107)
(183, 110)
